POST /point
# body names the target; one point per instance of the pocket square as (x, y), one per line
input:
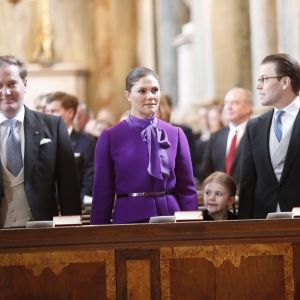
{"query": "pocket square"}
(45, 141)
(77, 154)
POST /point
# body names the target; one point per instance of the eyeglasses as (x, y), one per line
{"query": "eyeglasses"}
(261, 80)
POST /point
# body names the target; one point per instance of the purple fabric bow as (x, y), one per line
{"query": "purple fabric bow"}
(157, 142)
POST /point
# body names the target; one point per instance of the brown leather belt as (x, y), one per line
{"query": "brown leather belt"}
(145, 194)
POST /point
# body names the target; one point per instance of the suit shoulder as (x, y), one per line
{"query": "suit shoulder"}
(43, 117)
(256, 121)
(221, 133)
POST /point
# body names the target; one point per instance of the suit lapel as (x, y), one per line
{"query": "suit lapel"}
(223, 144)
(294, 147)
(33, 134)
(264, 140)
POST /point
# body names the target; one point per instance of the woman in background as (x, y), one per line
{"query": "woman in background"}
(142, 165)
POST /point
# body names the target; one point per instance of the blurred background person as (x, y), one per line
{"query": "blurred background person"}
(104, 120)
(83, 115)
(201, 140)
(142, 165)
(165, 112)
(40, 103)
(65, 105)
(214, 117)
(223, 152)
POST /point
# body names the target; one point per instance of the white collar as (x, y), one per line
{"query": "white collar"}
(19, 116)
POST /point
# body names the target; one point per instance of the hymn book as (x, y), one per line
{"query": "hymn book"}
(188, 216)
(72, 220)
(296, 212)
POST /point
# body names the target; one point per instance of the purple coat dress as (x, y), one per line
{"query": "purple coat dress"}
(121, 162)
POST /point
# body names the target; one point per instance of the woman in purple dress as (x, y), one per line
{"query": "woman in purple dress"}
(142, 165)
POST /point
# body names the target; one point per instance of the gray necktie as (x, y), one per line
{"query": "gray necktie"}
(13, 148)
(278, 125)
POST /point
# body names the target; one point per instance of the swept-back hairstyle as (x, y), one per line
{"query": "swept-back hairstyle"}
(67, 101)
(286, 65)
(135, 74)
(10, 60)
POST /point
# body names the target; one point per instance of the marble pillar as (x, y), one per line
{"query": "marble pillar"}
(168, 23)
(187, 83)
(115, 52)
(289, 27)
(146, 52)
(221, 46)
(264, 36)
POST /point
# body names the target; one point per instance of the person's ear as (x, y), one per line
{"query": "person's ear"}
(25, 85)
(126, 95)
(286, 82)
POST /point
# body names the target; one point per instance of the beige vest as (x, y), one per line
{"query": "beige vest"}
(278, 152)
(14, 207)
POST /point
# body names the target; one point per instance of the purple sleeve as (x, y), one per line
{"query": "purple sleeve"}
(185, 189)
(104, 182)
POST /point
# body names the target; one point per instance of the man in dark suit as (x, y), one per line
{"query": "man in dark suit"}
(65, 105)
(223, 150)
(270, 169)
(44, 182)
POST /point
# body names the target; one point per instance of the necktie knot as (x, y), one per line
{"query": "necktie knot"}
(11, 123)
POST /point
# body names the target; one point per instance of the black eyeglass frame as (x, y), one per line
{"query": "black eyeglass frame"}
(261, 80)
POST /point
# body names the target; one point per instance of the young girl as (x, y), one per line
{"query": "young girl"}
(219, 195)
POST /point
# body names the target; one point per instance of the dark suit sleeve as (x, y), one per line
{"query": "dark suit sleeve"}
(88, 169)
(66, 174)
(206, 167)
(248, 178)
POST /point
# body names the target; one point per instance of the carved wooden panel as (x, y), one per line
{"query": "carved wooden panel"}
(138, 274)
(58, 275)
(221, 272)
(297, 269)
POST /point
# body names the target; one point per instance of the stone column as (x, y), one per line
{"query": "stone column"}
(289, 28)
(115, 51)
(264, 37)
(168, 22)
(187, 83)
(146, 52)
(222, 46)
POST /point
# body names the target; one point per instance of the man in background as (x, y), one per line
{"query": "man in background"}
(65, 105)
(223, 152)
(83, 115)
(38, 178)
(270, 169)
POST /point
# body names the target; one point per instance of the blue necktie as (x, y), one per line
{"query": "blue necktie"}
(278, 125)
(13, 148)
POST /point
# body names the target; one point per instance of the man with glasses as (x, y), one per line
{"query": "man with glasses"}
(270, 168)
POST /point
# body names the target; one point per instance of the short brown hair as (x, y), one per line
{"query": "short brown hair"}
(286, 65)
(67, 101)
(137, 73)
(10, 60)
